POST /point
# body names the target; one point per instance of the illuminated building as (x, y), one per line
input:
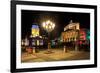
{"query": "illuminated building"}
(69, 35)
(71, 32)
(35, 30)
(36, 38)
(84, 37)
(82, 34)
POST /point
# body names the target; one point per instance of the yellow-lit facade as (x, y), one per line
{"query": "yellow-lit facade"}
(71, 32)
(73, 26)
(69, 36)
(35, 31)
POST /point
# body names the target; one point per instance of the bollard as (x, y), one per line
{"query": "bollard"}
(65, 50)
(34, 50)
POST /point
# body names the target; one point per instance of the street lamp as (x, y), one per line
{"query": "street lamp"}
(48, 26)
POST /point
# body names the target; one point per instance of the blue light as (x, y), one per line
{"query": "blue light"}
(35, 26)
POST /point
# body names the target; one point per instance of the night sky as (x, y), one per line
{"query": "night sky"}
(61, 19)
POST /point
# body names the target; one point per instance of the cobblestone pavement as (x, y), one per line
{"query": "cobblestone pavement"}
(55, 55)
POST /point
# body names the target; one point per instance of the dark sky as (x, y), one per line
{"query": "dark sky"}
(61, 19)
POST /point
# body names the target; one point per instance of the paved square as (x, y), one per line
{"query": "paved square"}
(56, 55)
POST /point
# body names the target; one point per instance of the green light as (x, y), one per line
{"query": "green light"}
(88, 35)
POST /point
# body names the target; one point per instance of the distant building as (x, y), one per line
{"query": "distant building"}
(71, 32)
(69, 35)
(35, 39)
(74, 33)
(73, 36)
(84, 36)
(35, 30)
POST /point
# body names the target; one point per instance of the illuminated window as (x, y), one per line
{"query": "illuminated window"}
(37, 42)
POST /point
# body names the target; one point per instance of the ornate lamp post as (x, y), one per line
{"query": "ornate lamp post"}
(48, 26)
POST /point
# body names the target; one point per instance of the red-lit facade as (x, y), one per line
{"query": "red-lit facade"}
(82, 36)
